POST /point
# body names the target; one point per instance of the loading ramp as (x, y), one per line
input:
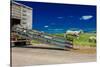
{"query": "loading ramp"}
(44, 37)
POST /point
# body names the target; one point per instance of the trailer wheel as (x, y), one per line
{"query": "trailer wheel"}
(19, 44)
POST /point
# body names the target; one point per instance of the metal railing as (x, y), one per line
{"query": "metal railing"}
(34, 34)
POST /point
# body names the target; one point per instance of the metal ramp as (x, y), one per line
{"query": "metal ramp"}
(44, 37)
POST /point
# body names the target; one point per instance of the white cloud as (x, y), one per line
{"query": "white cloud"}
(60, 17)
(87, 17)
(46, 26)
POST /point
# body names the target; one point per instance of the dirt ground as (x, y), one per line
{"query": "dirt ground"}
(28, 56)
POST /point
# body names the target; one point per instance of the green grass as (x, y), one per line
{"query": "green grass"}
(83, 40)
(60, 35)
(35, 42)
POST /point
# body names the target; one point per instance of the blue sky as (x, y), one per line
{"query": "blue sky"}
(57, 18)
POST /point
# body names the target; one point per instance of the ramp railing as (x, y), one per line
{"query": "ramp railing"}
(34, 34)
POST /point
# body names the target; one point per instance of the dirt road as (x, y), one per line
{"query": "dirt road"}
(37, 56)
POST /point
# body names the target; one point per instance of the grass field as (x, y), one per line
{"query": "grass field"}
(82, 40)
(35, 42)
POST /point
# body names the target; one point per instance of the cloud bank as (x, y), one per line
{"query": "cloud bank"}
(87, 17)
(46, 26)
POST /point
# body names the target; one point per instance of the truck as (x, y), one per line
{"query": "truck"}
(18, 40)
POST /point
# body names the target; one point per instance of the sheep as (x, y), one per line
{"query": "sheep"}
(92, 39)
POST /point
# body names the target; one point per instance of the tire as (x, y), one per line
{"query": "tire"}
(19, 44)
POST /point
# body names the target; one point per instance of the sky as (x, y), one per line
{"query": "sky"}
(58, 18)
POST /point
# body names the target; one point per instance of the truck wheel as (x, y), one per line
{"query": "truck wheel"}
(19, 44)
